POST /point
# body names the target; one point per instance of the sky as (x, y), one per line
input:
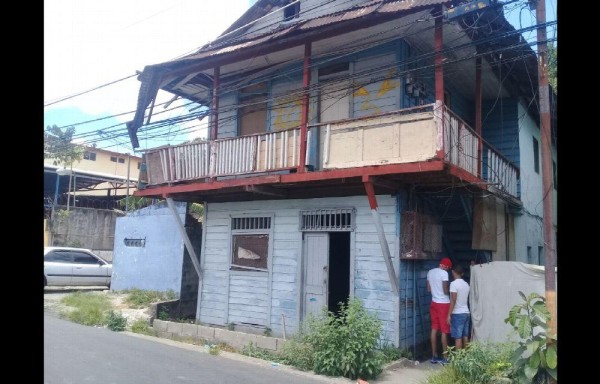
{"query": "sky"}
(88, 44)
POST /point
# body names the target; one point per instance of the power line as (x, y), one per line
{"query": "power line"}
(89, 90)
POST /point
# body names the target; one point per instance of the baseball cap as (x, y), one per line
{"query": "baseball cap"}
(447, 262)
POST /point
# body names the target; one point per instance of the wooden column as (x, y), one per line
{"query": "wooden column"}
(305, 101)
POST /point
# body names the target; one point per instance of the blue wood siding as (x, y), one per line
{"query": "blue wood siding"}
(224, 292)
(415, 322)
(501, 127)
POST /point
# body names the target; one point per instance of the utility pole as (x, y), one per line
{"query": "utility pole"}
(547, 188)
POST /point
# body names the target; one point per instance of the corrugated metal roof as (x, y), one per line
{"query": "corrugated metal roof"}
(366, 9)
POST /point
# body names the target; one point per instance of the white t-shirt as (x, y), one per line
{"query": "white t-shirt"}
(436, 277)
(461, 288)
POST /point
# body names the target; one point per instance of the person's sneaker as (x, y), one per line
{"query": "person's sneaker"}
(435, 360)
(443, 361)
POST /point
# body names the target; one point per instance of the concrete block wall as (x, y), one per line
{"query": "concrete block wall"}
(237, 340)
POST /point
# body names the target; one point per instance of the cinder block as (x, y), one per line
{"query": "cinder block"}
(174, 327)
(165, 335)
(189, 330)
(159, 325)
(265, 342)
(207, 333)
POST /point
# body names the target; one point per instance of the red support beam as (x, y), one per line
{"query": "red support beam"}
(478, 101)
(305, 101)
(335, 174)
(439, 67)
(371, 194)
(215, 105)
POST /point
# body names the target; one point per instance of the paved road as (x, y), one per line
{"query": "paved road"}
(75, 354)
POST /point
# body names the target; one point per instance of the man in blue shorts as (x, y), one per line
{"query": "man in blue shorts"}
(459, 316)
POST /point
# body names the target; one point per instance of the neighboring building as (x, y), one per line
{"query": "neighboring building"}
(90, 191)
(99, 175)
(149, 254)
(352, 144)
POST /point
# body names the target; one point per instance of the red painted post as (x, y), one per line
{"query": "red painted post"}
(305, 101)
(478, 98)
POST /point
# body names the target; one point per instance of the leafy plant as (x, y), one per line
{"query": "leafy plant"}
(267, 332)
(116, 321)
(230, 326)
(345, 344)
(299, 353)
(536, 358)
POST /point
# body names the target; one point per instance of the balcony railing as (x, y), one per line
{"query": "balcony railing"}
(461, 149)
(410, 135)
(224, 157)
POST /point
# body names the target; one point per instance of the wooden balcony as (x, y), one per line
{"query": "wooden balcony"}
(428, 138)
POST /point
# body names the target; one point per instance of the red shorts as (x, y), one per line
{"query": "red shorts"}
(439, 316)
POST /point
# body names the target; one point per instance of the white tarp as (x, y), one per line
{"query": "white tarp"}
(495, 290)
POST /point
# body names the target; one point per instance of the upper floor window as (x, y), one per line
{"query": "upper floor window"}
(116, 159)
(536, 156)
(291, 12)
(89, 156)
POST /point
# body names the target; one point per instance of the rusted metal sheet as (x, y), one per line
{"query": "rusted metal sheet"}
(403, 5)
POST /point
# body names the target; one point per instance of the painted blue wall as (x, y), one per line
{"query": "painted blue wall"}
(156, 266)
(500, 127)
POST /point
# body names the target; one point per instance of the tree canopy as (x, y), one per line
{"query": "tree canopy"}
(59, 147)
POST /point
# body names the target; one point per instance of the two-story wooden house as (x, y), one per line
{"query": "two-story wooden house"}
(352, 144)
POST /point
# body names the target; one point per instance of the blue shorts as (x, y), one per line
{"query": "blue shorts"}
(460, 325)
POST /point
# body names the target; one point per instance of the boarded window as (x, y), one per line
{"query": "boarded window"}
(252, 115)
(250, 252)
(250, 243)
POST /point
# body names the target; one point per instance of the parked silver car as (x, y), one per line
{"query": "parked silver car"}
(75, 266)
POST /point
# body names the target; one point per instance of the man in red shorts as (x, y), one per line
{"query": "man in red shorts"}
(438, 286)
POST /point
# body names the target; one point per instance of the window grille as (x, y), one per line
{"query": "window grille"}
(327, 220)
(246, 223)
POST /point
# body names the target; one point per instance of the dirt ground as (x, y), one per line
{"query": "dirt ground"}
(53, 296)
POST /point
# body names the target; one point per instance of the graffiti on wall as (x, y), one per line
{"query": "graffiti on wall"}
(367, 96)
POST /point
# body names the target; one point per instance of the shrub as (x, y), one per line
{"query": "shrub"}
(299, 353)
(345, 345)
(478, 363)
(116, 321)
(536, 358)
